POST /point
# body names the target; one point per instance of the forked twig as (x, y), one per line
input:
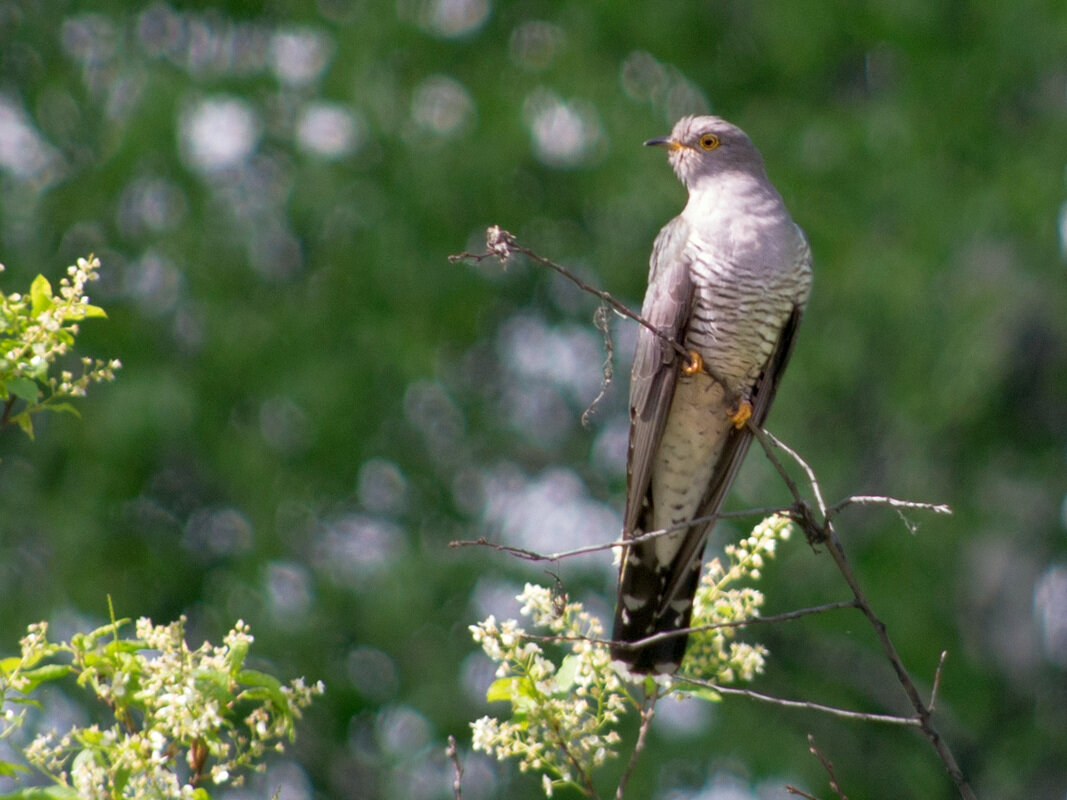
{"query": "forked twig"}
(823, 531)
(826, 765)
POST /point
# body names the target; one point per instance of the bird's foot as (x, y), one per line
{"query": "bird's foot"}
(741, 413)
(694, 365)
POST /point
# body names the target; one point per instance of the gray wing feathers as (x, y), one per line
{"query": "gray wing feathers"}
(667, 306)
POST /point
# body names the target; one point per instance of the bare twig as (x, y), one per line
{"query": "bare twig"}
(739, 623)
(8, 405)
(768, 446)
(823, 531)
(892, 502)
(658, 637)
(844, 713)
(791, 789)
(826, 765)
(648, 710)
(501, 244)
(937, 681)
(899, 505)
(812, 481)
(532, 555)
(457, 769)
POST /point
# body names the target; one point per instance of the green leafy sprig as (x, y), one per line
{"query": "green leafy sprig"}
(182, 718)
(37, 329)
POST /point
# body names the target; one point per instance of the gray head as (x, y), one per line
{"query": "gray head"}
(705, 147)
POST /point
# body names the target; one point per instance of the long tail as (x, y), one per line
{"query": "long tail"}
(642, 610)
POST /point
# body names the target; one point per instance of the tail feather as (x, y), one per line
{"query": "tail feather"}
(643, 610)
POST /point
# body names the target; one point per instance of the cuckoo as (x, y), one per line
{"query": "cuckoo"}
(728, 281)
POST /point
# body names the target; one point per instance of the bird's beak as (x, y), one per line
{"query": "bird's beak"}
(665, 141)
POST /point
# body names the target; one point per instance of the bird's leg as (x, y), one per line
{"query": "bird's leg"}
(694, 365)
(740, 412)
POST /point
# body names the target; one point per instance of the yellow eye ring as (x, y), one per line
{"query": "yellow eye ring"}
(709, 141)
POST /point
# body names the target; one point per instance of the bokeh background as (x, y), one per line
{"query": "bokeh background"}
(315, 401)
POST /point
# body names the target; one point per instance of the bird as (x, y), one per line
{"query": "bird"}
(729, 278)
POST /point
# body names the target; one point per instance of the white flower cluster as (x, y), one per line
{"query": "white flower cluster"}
(167, 700)
(38, 328)
(715, 654)
(562, 717)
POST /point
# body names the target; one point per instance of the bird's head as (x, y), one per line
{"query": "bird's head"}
(705, 147)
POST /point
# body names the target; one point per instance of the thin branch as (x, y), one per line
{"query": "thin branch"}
(823, 531)
(768, 446)
(740, 623)
(899, 505)
(672, 634)
(791, 789)
(892, 502)
(826, 765)
(457, 769)
(648, 710)
(937, 681)
(844, 713)
(813, 481)
(501, 244)
(586, 785)
(532, 555)
(5, 418)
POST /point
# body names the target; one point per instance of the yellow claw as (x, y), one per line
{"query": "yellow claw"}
(694, 365)
(742, 414)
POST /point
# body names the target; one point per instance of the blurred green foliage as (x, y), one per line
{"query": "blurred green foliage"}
(314, 401)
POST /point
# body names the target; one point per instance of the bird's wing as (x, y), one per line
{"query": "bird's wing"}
(731, 456)
(667, 306)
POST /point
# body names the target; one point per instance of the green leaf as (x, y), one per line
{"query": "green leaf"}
(564, 679)
(43, 793)
(49, 672)
(123, 646)
(10, 664)
(23, 388)
(24, 701)
(236, 657)
(63, 408)
(502, 689)
(40, 295)
(122, 777)
(109, 630)
(9, 769)
(704, 693)
(86, 312)
(200, 793)
(23, 421)
(215, 683)
(88, 738)
(271, 687)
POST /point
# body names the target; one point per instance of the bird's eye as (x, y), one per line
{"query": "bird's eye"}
(709, 141)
